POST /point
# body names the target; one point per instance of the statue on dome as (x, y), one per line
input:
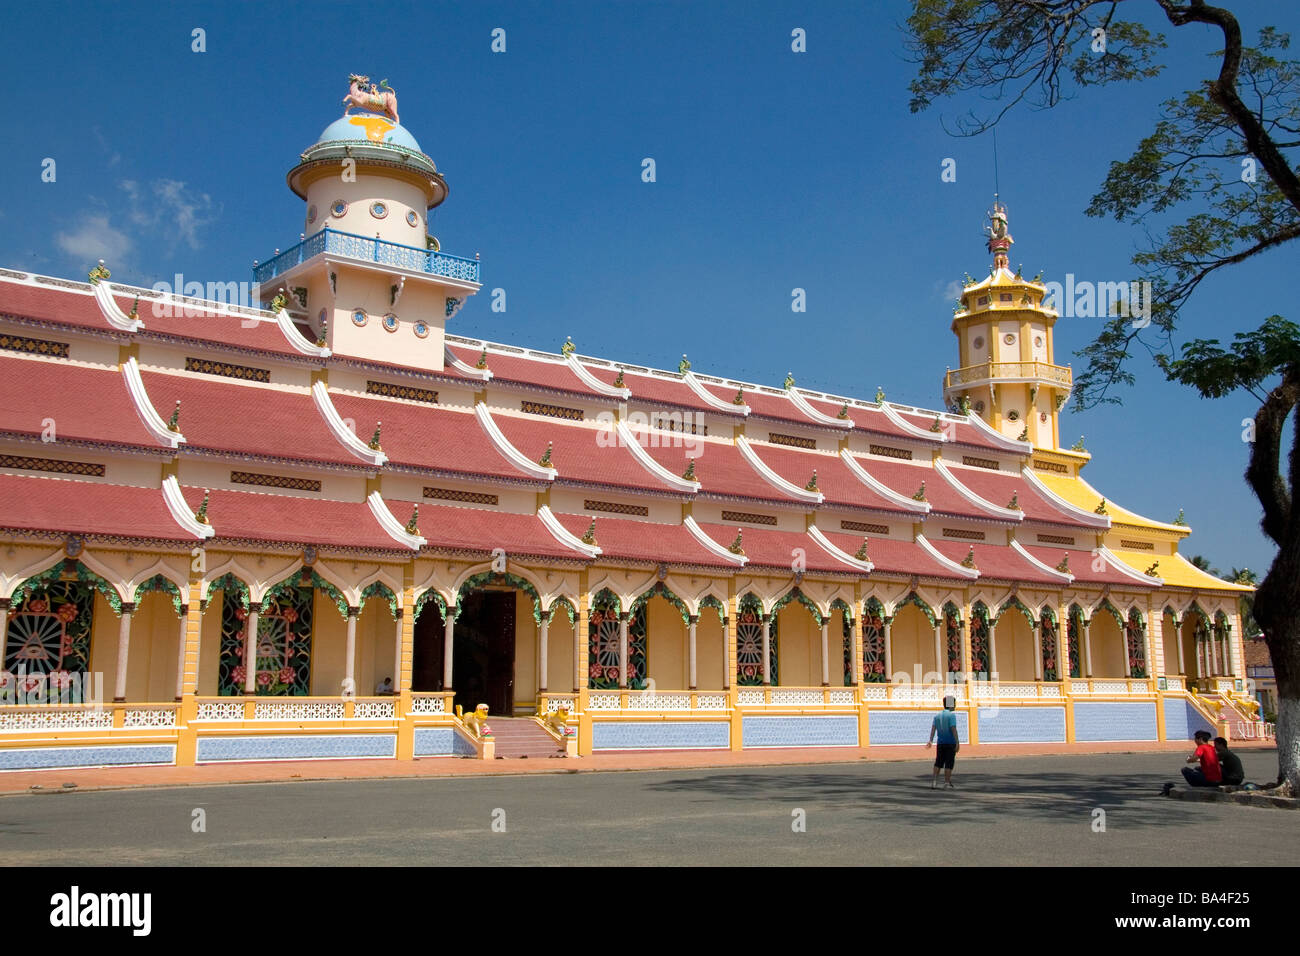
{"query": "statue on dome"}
(377, 99)
(999, 238)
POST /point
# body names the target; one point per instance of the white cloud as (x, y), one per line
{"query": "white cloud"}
(178, 213)
(95, 239)
(950, 292)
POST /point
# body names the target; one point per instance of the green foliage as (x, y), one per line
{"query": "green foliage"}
(1251, 359)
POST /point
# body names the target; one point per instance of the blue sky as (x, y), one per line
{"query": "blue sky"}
(775, 170)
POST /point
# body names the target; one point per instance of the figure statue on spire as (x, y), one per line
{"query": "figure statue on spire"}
(999, 238)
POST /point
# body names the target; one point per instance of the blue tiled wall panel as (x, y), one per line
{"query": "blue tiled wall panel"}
(830, 731)
(1182, 720)
(908, 726)
(306, 747)
(1017, 725)
(441, 742)
(661, 735)
(53, 758)
(1119, 720)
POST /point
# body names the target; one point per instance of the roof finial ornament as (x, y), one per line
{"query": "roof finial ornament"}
(376, 99)
(201, 516)
(413, 526)
(735, 546)
(689, 473)
(374, 439)
(99, 272)
(568, 348)
(545, 460)
(684, 365)
(999, 238)
(789, 380)
(590, 536)
(174, 423)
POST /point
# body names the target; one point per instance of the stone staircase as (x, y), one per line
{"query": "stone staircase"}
(523, 737)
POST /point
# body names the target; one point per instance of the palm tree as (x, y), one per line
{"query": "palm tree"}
(1246, 602)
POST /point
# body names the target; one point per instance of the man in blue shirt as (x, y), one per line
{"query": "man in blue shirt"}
(945, 725)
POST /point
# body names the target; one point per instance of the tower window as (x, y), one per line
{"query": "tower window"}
(390, 322)
(311, 213)
(1013, 415)
(411, 218)
(1009, 339)
(359, 317)
(979, 342)
(1004, 297)
(337, 208)
(421, 329)
(378, 210)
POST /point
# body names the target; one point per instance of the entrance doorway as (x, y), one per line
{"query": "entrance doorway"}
(483, 658)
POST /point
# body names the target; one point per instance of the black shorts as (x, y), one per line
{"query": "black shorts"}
(944, 755)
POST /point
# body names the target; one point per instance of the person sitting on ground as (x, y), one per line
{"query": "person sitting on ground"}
(1209, 773)
(1229, 763)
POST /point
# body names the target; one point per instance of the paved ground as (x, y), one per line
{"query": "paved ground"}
(1008, 811)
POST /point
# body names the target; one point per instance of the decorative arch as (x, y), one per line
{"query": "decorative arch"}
(843, 605)
(310, 579)
(501, 577)
(230, 585)
(717, 604)
(161, 583)
(562, 602)
(914, 599)
(795, 594)
(430, 595)
(382, 590)
(76, 571)
(603, 659)
(1195, 608)
(1014, 603)
(47, 632)
(661, 590)
(1110, 609)
(1222, 634)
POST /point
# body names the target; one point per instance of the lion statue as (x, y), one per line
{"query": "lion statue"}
(476, 720)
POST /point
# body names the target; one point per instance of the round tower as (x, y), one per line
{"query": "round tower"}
(1007, 374)
(367, 279)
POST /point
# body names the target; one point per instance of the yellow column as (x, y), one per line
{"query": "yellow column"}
(582, 655)
(186, 738)
(730, 628)
(1063, 667)
(967, 663)
(402, 667)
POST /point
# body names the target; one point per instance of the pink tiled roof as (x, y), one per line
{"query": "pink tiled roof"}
(995, 561)
(1081, 566)
(961, 432)
(834, 479)
(580, 453)
(719, 467)
(871, 421)
(889, 555)
(85, 404)
(53, 304)
(905, 479)
(242, 418)
(656, 390)
(628, 539)
(764, 404)
(770, 548)
(427, 436)
(86, 507)
(254, 516)
(506, 367)
(997, 487)
(481, 530)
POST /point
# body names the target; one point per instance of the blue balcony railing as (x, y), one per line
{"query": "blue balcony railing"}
(368, 250)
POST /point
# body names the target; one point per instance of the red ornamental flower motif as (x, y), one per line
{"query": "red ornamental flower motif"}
(879, 667)
(290, 615)
(238, 674)
(38, 607)
(749, 670)
(6, 678)
(65, 645)
(241, 614)
(286, 675)
(596, 671)
(60, 679)
(67, 614)
(631, 671)
(264, 678)
(32, 682)
(611, 673)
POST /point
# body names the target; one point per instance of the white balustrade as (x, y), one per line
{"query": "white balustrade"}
(23, 719)
(428, 705)
(657, 700)
(711, 702)
(220, 710)
(602, 702)
(875, 692)
(298, 710)
(374, 709)
(150, 717)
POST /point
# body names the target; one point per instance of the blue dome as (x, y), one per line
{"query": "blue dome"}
(371, 127)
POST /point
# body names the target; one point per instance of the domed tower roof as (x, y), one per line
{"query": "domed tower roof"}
(375, 142)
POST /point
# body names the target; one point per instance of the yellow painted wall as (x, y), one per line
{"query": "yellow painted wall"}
(151, 662)
(911, 638)
(1109, 655)
(1190, 623)
(1015, 639)
(103, 645)
(710, 652)
(667, 645)
(559, 653)
(376, 646)
(800, 650)
(329, 641)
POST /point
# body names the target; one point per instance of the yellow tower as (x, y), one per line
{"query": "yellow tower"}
(1007, 374)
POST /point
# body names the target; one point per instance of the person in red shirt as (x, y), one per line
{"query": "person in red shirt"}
(1209, 773)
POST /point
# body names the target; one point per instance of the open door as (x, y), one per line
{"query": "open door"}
(484, 656)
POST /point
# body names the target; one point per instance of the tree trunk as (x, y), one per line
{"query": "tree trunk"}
(1276, 605)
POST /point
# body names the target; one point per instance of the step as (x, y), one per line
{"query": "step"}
(522, 737)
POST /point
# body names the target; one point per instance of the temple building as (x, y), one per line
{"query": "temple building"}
(224, 528)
